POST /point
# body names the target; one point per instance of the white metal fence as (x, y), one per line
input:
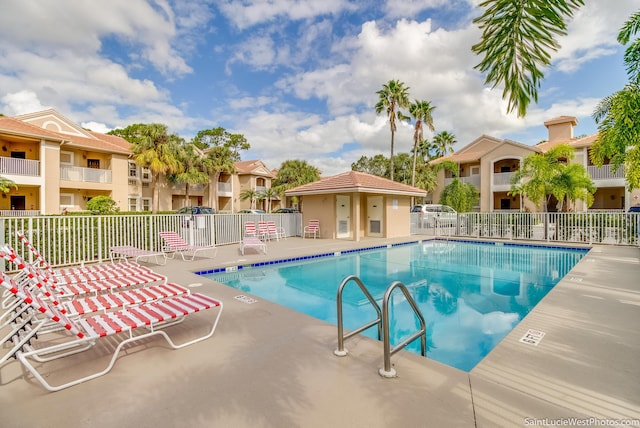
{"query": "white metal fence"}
(614, 227)
(65, 240)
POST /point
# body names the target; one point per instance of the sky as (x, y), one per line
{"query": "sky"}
(298, 78)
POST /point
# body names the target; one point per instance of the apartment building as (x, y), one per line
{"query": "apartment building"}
(58, 165)
(489, 163)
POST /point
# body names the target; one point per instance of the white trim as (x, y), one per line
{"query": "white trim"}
(71, 156)
(71, 197)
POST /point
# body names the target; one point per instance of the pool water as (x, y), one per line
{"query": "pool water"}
(470, 294)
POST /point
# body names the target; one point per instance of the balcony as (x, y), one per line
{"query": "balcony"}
(88, 175)
(607, 172)
(502, 178)
(15, 166)
(224, 189)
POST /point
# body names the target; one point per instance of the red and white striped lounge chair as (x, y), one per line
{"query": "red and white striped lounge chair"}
(312, 229)
(173, 243)
(119, 328)
(83, 273)
(74, 289)
(274, 231)
(263, 230)
(250, 229)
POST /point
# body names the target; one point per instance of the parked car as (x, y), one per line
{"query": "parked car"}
(252, 212)
(286, 211)
(634, 209)
(196, 210)
(436, 214)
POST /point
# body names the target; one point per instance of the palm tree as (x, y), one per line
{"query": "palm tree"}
(294, 173)
(6, 185)
(421, 111)
(153, 148)
(217, 143)
(250, 194)
(443, 143)
(548, 174)
(517, 38)
(616, 115)
(269, 194)
(392, 97)
(196, 168)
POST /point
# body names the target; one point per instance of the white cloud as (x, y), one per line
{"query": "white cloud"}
(21, 102)
(96, 127)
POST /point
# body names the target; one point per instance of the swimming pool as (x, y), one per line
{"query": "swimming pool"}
(471, 294)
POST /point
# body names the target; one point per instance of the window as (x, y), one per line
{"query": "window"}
(133, 170)
(146, 174)
(146, 204)
(475, 170)
(133, 204)
(66, 158)
(93, 163)
(66, 200)
(18, 155)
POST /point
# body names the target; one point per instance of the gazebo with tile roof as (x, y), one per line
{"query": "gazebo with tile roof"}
(353, 205)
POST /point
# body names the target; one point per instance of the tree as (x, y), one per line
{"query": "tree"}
(153, 148)
(219, 146)
(269, 194)
(101, 205)
(375, 165)
(391, 98)
(196, 168)
(517, 38)
(421, 111)
(443, 143)
(6, 185)
(294, 173)
(617, 115)
(545, 175)
(460, 196)
(250, 194)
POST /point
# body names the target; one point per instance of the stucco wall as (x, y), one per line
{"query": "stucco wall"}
(322, 208)
(397, 216)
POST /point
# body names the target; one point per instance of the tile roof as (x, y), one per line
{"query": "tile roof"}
(254, 167)
(354, 181)
(9, 125)
(576, 143)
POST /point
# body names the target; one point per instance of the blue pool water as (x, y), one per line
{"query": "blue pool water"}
(470, 294)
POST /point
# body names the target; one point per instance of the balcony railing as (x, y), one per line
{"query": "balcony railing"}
(502, 178)
(224, 187)
(17, 166)
(473, 179)
(607, 172)
(92, 175)
(19, 213)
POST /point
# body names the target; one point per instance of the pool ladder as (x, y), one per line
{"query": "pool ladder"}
(382, 321)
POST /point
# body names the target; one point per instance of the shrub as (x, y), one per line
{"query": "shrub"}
(102, 205)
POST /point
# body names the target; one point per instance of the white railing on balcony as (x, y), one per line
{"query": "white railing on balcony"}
(18, 213)
(182, 187)
(473, 179)
(502, 178)
(19, 166)
(607, 172)
(261, 189)
(92, 175)
(224, 187)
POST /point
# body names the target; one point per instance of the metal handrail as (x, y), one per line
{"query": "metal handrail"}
(341, 351)
(389, 371)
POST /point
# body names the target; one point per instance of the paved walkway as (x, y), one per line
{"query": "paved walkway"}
(268, 366)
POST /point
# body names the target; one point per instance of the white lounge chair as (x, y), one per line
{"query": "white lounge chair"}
(123, 251)
(173, 243)
(312, 229)
(252, 242)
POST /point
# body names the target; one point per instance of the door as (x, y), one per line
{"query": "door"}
(374, 216)
(343, 216)
(17, 202)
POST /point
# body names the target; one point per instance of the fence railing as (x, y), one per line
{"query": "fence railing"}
(609, 227)
(18, 166)
(66, 240)
(92, 175)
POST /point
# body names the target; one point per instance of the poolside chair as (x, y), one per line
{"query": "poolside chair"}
(252, 242)
(87, 286)
(312, 229)
(274, 231)
(81, 273)
(173, 243)
(121, 252)
(118, 328)
(263, 230)
(250, 229)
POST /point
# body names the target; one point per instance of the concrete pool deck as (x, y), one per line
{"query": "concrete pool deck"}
(268, 366)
